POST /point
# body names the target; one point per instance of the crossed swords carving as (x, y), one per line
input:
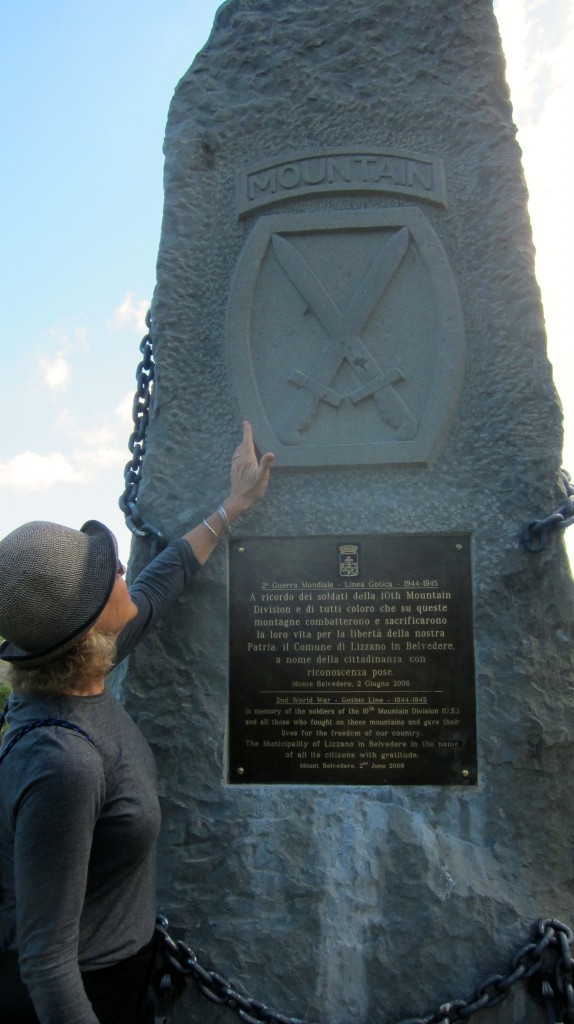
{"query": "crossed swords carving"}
(345, 342)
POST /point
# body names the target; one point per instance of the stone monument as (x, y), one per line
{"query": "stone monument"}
(362, 707)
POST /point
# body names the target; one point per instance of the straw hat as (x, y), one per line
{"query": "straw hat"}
(54, 583)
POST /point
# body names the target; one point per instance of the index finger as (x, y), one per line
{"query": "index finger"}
(247, 442)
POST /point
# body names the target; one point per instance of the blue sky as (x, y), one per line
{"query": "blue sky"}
(85, 90)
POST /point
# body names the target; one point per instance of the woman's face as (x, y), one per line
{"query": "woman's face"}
(119, 610)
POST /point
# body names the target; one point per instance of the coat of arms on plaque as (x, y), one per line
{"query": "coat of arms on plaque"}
(344, 337)
(348, 560)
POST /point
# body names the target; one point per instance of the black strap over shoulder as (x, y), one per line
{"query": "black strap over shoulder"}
(37, 723)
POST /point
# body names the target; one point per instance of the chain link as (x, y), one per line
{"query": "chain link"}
(145, 374)
(181, 962)
(556, 980)
(536, 533)
(546, 963)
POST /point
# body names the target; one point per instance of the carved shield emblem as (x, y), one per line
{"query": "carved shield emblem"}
(345, 337)
(348, 560)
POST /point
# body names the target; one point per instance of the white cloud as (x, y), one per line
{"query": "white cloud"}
(124, 408)
(97, 438)
(513, 25)
(56, 368)
(103, 449)
(104, 445)
(540, 65)
(69, 336)
(56, 371)
(66, 420)
(108, 455)
(131, 313)
(538, 40)
(30, 471)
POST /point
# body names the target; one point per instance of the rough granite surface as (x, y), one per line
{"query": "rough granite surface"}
(338, 904)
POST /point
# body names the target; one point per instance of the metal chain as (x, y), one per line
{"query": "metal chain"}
(536, 533)
(181, 962)
(145, 374)
(545, 962)
(556, 979)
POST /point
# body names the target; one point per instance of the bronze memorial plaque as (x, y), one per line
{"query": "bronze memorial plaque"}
(351, 660)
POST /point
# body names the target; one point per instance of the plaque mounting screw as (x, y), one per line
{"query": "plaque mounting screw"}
(458, 547)
(241, 771)
(241, 551)
(465, 773)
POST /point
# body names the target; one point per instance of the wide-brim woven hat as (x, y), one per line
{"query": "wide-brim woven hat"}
(54, 584)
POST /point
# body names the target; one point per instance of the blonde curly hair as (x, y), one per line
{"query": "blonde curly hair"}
(90, 659)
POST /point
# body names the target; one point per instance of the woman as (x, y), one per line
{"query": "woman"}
(79, 813)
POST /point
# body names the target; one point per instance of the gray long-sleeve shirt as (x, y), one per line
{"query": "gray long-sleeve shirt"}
(78, 826)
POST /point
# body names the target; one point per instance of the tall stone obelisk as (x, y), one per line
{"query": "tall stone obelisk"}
(362, 709)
